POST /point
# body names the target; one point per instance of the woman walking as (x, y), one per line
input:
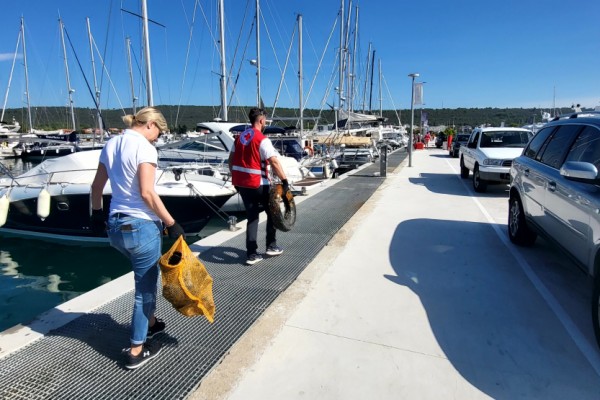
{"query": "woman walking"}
(135, 220)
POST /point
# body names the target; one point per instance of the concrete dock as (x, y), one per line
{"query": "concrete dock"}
(421, 296)
(417, 295)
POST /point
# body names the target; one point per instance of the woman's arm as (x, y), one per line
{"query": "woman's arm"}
(146, 174)
(98, 186)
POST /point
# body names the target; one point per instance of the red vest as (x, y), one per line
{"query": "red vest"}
(247, 169)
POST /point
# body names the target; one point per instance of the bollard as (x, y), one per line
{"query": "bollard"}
(232, 223)
(383, 161)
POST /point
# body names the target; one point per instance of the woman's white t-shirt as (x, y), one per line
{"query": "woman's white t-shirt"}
(122, 156)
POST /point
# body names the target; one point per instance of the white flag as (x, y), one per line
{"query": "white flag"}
(418, 99)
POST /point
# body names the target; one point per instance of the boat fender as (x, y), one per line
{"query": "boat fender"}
(4, 204)
(309, 150)
(43, 204)
(334, 164)
(282, 208)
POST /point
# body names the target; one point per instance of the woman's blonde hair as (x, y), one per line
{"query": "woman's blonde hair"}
(145, 116)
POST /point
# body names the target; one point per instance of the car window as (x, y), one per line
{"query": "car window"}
(586, 147)
(538, 140)
(556, 148)
(475, 138)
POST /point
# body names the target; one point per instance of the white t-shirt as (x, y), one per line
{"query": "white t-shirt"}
(121, 156)
(266, 150)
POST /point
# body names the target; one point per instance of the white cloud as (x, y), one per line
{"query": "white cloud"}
(9, 56)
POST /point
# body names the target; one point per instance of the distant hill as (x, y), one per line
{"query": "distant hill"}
(185, 118)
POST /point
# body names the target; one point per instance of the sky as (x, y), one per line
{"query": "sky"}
(469, 53)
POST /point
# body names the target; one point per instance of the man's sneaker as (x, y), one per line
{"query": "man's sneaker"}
(253, 259)
(158, 327)
(149, 351)
(274, 250)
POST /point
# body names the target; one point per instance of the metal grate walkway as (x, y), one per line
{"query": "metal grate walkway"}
(83, 358)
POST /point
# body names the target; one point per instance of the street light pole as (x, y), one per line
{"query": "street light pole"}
(412, 118)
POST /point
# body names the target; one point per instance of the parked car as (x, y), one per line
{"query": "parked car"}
(555, 192)
(489, 154)
(459, 140)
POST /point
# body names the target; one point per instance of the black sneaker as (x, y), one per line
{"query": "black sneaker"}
(157, 328)
(149, 351)
(274, 250)
(254, 258)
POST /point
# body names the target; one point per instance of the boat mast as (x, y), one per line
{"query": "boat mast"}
(26, 75)
(380, 96)
(133, 97)
(223, 67)
(341, 61)
(12, 68)
(353, 74)
(300, 77)
(364, 100)
(70, 91)
(149, 92)
(258, 53)
(96, 90)
(371, 91)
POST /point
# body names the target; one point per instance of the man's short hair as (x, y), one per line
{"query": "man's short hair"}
(255, 113)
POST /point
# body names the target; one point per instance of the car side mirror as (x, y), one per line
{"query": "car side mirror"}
(472, 145)
(579, 171)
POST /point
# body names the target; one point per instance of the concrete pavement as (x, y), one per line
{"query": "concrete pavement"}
(420, 296)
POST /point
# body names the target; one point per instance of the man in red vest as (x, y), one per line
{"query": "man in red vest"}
(248, 161)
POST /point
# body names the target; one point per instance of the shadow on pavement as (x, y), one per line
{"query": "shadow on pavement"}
(487, 318)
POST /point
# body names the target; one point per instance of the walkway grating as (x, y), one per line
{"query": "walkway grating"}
(83, 358)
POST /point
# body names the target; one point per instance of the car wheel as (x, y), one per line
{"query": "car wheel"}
(596, 309)
(464, 171)
(518, 231)
(480, 185)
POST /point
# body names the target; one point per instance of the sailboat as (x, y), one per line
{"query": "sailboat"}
(52, 200)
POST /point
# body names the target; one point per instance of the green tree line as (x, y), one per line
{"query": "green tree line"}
(185, 118)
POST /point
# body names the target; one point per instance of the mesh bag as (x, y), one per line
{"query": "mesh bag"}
(186, 282)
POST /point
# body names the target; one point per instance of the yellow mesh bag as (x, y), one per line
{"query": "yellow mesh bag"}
(186, 282)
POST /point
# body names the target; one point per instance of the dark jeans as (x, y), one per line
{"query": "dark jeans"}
(252, 199)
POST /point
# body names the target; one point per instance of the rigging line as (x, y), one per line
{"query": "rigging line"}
(234, 84)
(215, 42)
(327, 91)
(277, 59)
(82, 73)
(106, 41)
(239, 38)
(321, 60)
(287, 58)
(187, 57)
(391, 99)
(108, 76)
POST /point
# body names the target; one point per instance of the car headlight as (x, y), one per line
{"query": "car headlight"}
(492, 161)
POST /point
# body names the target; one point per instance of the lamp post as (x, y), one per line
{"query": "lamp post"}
(412, 118)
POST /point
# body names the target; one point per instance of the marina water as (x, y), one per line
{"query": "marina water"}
(37, 275)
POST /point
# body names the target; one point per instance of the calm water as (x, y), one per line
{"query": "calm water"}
(37, 275)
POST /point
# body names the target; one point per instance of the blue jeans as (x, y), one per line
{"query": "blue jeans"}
(140, 240)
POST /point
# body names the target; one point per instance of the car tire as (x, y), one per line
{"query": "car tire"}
(596, 309)
(480, 185)
(518, 231)
(464, 171)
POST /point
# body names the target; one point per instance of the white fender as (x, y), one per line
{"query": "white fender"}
(4, 203)
(43, 204)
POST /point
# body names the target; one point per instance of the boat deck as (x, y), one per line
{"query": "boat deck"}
(83, 359)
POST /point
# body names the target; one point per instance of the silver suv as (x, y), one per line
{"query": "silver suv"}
(555, 191)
